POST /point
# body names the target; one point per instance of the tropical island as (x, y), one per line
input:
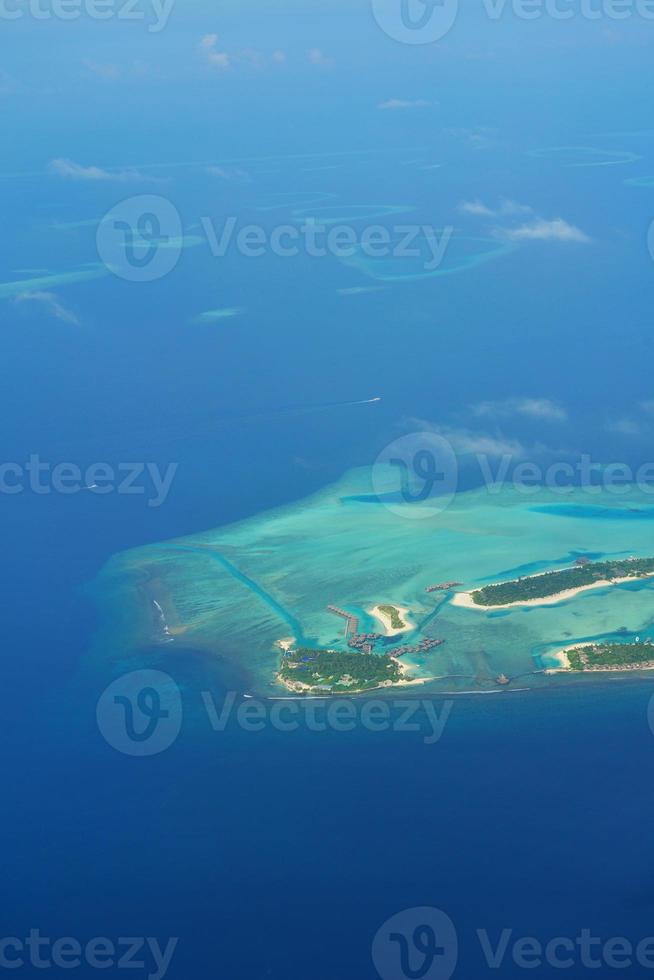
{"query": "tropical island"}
(330, 671)
(607, 656)
(557, 586)
(308, 576)
(392, 618)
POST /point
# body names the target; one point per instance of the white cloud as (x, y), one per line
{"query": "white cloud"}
(51, 303)
(316, 57)
(538, 229)
(469, 441)
(542, 230)
(538, 408)
(477, 208)
(111, 72)
(464, 440)
(209, 49)
(504, 209)
(404, 104)
(232, 174)
(254, 58)
(478, 138)
(68, 168)
(102, 71)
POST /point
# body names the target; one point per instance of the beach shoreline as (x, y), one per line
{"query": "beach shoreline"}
(464, 600)
(385, 620)
(564, 662)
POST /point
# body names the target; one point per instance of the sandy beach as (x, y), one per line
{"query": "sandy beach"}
(408, 681)
(561, 656)
(465, 600)
(385, 619)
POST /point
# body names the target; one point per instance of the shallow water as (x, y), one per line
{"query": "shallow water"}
(240, 589)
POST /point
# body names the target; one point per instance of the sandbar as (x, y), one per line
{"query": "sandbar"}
(385, 619)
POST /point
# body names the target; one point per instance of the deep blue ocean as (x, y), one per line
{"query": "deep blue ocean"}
(278, 856)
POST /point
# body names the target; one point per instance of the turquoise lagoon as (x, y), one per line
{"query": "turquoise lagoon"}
(234, 592)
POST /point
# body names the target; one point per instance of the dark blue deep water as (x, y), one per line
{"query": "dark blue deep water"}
(278, 855)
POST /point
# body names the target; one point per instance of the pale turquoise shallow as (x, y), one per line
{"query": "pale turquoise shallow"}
(239, 589)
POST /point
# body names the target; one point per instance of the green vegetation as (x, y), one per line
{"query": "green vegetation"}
(397, 623)
(551, 583)
(600, 655)
(330, 671)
